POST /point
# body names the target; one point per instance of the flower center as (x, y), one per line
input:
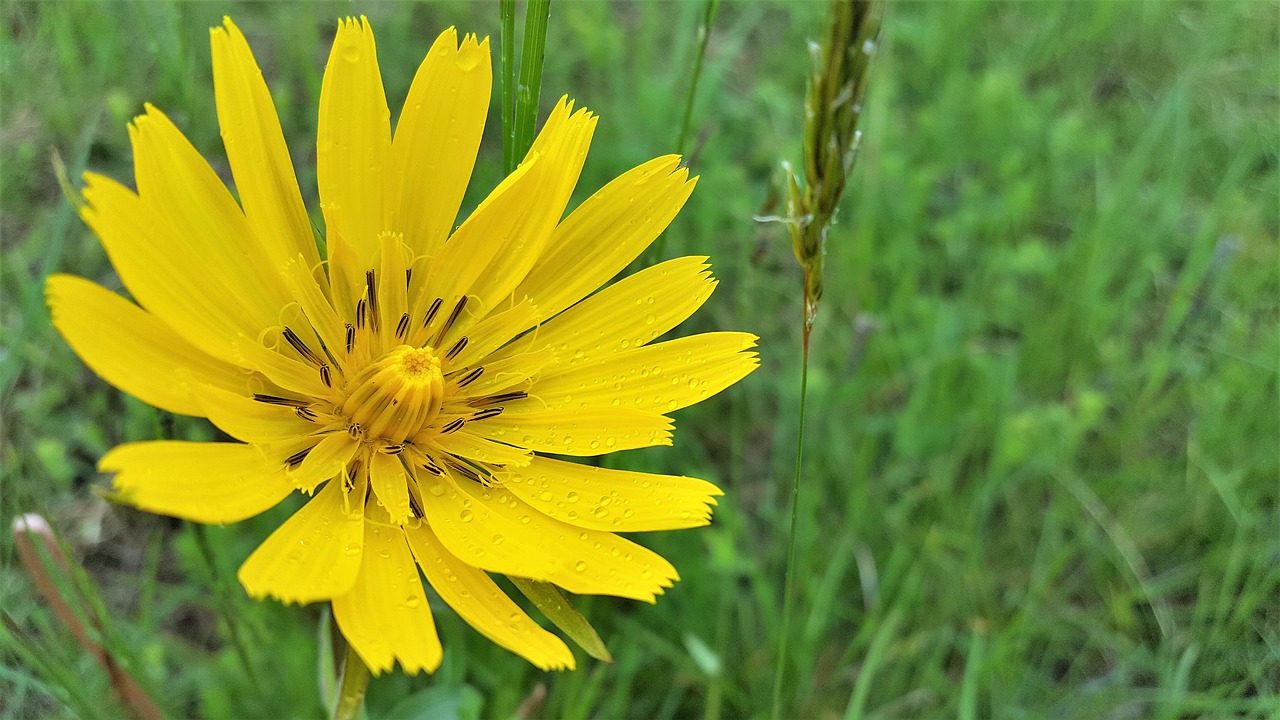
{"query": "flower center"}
(396, 395)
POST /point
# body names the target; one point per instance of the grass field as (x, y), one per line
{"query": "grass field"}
(1043, 452)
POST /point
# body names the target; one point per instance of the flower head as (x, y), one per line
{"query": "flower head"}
(414, 380)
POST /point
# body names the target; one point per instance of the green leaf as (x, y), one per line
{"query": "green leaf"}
(564, 615)
(461, 702)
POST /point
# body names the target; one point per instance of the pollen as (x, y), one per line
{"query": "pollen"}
(397, 395)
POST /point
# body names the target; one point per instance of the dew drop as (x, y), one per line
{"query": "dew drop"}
(571, 497)
(412, 601)
(497, 539)
(581, 566)
(465, 515)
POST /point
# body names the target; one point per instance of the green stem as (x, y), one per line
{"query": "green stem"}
(507, 12)
(704, 33)
(224, 607)
(536, 13)
(787, 592)
(355, 682)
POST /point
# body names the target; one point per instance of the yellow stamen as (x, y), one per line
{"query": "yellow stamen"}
(397, 395)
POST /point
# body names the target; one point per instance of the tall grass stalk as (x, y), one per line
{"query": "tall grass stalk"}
(833, 106)
(520, 99)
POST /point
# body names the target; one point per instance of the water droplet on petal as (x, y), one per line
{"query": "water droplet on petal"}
(581, 566)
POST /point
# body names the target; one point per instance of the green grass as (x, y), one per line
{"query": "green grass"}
(1042, 466)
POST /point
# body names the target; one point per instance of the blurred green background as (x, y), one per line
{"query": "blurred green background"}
(1042, 468)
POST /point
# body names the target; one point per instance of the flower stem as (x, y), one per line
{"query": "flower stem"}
(355, 681)
(704, 33)
(507, 42)
(787, 592)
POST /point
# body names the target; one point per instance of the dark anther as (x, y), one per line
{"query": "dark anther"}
(457, 348)
(453, 426)
(431, 311)
(408, 278)
(354, 429)
(372, 288)
(487, 413)
(402, 327)
(414, 507)
(296, 459)
(305, 414)
(362, 310)
(497, 399)
(393, 449)
(277, 400)
(351, 337)
(432, 468)
(306, 352)
(325, 377)
(453, 318)
(471, 377)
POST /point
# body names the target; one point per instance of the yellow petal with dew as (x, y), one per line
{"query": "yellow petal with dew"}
(436, 139)
(314, 555)
(560, 148)
(495, 331)
(606, 232)
(133, 349)
(654, 378)
(510, 220)
(492, 529)
(176, 182)
(593, 431)
(466, 444)
(329, 456)
(391, 485)
(385, 615)
(625, 315)
(479, 601)
(256, 150)
(353, 141)
(564, 140)
(613, 500)
(203, 482)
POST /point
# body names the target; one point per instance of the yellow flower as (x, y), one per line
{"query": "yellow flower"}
(412, 379)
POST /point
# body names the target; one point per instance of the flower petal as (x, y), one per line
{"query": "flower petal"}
(256, 149)
(479, 601)
(329, 456)
(133, 349)
(437, 138)
(493, 530)
(249, 420)
(198, 481)
(353, 141)
(606, 232)
(314, 555)
(176, 182)
(390, 485)
(592, 431)
(613, 500)
(385, 615)
(466, 444)
(509, 221)
(174, 286)
(625, 315)
(654, 378)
